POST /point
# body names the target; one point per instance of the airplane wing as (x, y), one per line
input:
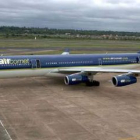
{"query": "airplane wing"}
(78, 75)
(95, 70)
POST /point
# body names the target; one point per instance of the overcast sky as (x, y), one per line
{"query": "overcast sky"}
(117, 15)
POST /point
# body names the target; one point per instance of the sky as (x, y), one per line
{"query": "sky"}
(115, 15)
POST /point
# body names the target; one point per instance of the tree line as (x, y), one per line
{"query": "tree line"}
(65, 33)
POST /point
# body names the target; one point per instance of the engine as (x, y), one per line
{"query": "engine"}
(123, 80)
(75, 79)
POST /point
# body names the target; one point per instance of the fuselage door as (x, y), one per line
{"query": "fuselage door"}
(100, 61)
(38, 63)
(138, 59)
(33, 63)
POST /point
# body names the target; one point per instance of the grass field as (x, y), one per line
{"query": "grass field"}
(76, 45)
(67, 43)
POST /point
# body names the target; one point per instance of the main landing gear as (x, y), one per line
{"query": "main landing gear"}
(91, 81)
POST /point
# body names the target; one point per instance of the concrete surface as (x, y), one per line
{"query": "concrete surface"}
(46, 109)
(4, 135)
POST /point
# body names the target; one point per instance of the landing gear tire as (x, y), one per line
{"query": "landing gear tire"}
(93, 83)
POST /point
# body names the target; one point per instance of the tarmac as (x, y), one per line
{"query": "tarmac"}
(45, 109)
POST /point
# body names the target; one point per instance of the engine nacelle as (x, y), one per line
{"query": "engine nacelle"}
(74, 79)
(123, 80)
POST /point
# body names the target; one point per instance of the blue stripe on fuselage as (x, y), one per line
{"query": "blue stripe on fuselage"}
(48, 61)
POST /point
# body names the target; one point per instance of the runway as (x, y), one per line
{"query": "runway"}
(46, 109)
(30, 50)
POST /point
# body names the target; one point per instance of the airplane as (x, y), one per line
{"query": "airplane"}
(75, 68)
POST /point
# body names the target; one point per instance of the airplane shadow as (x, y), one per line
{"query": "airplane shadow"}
(40, 82)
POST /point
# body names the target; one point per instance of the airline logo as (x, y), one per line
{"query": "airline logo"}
(13, 61)
(4, 61)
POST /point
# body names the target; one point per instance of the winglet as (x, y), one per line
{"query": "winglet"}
(66, 52)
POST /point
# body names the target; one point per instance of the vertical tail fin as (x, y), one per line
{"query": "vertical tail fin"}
(66, 52)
